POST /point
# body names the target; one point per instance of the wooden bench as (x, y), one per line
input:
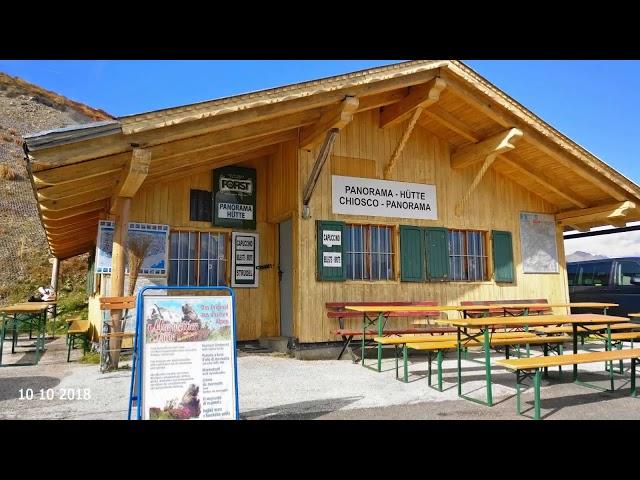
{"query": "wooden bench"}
(585, 328)
(77, 328)
(337, 310)
(502, 311)
(501, 339)
(523, 368)
(113, 303)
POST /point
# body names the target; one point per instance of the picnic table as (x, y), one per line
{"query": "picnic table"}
(381, 312)
(33, 314)
(526, 306)
(485, 324)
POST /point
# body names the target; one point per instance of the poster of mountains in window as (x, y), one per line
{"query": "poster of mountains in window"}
(155, 261)
(538, 243)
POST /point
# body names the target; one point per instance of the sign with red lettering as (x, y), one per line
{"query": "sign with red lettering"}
(189, 358)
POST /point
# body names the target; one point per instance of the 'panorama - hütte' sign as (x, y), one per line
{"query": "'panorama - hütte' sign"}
(383, 198)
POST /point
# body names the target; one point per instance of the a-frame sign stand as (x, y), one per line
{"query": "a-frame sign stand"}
(137, 387)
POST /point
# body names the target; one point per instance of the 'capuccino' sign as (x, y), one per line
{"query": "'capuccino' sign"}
(383, 198)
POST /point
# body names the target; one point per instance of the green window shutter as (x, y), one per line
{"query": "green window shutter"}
(330, 258)
(502, 256)
(411, 254)
(437, 242)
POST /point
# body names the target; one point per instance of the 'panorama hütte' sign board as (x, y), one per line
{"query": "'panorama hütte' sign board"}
(383, 198)
(189, 358)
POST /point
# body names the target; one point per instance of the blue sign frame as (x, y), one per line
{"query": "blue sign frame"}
(138, 350)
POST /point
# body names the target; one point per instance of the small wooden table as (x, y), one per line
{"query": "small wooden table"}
(381, 312)
(484, 324)
(35, 315)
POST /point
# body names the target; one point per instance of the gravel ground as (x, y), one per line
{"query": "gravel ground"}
(273, 386)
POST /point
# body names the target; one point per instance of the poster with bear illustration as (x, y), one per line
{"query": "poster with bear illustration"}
(189, 358)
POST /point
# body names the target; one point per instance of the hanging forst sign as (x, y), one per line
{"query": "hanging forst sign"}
(245, 248)
(185, 364)
(234, 197)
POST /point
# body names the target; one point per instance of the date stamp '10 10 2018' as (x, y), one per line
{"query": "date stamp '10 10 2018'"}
(55, 394)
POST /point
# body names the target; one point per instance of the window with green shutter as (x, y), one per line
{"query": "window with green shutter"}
(502, 256)
(412, 254)
(437, 246)
(330, 251)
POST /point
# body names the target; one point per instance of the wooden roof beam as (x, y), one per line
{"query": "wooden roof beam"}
(403, 141)
(335, 118)
(602, 215)
(478, 152)
(71, 202)
(74, 211)
(612, 210)
(209, 164)
(321, 159)
(591, 173)
(82, 218)
(80, 171)
(419, 96)
(132, 177)
(190, 160)
(57, 192)
(443, 117)
(556, 185)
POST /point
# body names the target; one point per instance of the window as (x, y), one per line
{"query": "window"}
(572, 274)
(368, 252)
(467, 255)
(200, 206)
(197, 258)
(625, 271)
(596, 274)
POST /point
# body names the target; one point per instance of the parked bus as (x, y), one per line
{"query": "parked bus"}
(612, 280)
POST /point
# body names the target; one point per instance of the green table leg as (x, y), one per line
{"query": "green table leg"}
(379, 344)
(518, 378)
(634, 391)
(459, 355)
(609, 349)
(487, 366)
(2, 335)
(395, 351)
(440, 370)
(364, 332)
(405, 355)
(575, 350)
(621, 363)
(536, 383)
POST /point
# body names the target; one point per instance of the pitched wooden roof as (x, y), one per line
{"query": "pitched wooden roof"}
(75, 173)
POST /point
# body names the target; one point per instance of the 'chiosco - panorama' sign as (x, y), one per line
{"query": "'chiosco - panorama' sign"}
(234, 197)
(383, 198)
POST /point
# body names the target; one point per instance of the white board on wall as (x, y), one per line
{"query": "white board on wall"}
(538, 243)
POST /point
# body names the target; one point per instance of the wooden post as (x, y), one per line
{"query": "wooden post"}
(55, 272)
(118, 257)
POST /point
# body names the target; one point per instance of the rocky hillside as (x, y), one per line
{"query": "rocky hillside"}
(26, 108)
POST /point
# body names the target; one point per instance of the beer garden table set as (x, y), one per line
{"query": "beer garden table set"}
(33, 314)
(483, 325)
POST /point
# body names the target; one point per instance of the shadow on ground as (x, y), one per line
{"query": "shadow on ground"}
(11, 386)
(301, 410)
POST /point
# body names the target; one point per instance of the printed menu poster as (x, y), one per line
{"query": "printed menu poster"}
(189, 358)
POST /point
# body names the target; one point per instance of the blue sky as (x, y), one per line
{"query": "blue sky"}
(595, 103)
